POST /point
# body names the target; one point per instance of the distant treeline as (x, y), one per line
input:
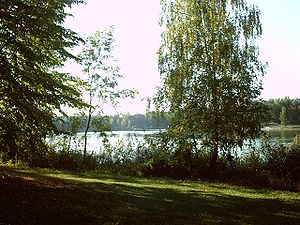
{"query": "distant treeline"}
(146, 121)
(284, 111)
(137, 122)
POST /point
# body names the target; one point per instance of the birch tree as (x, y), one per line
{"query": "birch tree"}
(210, 68)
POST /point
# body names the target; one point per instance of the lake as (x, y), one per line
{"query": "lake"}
(95, 140)
(282, 135)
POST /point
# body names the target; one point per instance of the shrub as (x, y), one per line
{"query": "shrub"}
(293, 160)
(271, 165)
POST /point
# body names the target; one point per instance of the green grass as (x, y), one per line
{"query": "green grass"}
(36, 196)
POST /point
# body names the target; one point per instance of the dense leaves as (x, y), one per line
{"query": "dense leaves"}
(33, 44)
(211, 72)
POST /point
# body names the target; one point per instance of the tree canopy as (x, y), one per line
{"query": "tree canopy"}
(210, 67)
(33, 44)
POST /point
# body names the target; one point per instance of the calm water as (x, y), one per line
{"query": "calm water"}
(284, 134)
(281, 135)
(95, 140)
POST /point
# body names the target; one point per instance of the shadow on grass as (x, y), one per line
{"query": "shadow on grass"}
(30, 197)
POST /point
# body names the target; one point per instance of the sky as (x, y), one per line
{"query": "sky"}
(137, 35)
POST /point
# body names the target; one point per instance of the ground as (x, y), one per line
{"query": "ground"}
(43, 196)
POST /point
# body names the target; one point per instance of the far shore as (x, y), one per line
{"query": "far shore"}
(280, 127)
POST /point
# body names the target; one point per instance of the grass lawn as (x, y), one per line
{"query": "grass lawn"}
(36, 196)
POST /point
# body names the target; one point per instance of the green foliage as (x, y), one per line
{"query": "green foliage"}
(33, 44)
(211, 72)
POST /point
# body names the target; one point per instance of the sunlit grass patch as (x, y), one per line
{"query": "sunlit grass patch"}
(51, 197)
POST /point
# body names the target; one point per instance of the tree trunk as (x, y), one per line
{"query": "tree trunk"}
(87, 125)
(85, 134)
(213, 156)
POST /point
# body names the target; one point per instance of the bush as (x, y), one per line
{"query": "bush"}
(275, 160)
(293, 160)
(177, 160)
(272, 165)
(283, 162)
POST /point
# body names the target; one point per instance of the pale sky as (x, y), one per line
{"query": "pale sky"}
(137, 35)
